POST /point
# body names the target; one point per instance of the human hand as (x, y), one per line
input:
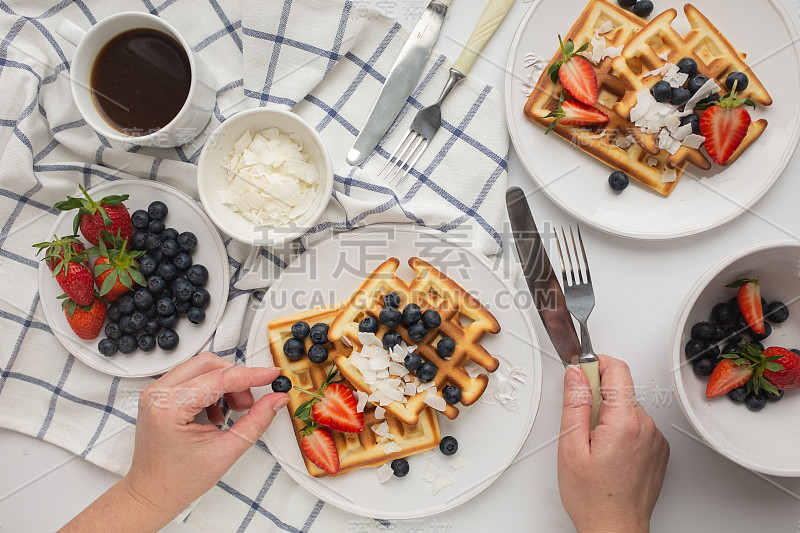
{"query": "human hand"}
(610, 477)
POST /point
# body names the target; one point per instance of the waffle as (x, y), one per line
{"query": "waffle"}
(464, 319)
(715, 56)
(355, 450)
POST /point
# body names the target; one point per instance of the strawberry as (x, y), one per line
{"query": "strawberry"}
(751, 366)
(85, 321)
(333, 407)
(726, 376)
(317, 444)
(749, 298)
(116, 268)
(68, 261)
(575, 73)
(574, 113)
(724, 125)
(110, 215)
(788, 377)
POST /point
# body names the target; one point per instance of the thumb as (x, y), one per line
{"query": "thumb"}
(249, 428)
(576, 412)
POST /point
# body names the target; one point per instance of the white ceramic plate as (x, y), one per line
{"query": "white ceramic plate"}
(578, 183)
(766, 441)
(489, 434)
(184, 215)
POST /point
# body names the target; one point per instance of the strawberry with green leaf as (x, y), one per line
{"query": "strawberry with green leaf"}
(575, 73)
(93, 218)
(574, 113)
(333, 407)
(68, 261)
(86, 321)
(746, 367)
(724, 124)
(116, 268)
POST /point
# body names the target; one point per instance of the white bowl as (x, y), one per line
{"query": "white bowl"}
(211, 175)
(767, 441)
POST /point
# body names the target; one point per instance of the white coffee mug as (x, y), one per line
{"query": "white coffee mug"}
(190, 120)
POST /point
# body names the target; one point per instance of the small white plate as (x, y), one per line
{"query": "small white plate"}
(766, 441)
(578, 183)
(489, 434)
(183, 215)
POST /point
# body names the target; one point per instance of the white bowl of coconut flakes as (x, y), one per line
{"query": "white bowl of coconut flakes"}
(264, 176)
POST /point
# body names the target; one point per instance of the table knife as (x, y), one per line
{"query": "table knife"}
(400, 82)
(545, 290)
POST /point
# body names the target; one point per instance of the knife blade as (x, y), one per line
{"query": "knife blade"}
(542, 282)
(400, 82)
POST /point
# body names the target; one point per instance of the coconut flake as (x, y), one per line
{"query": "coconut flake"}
(669, 176)
(644, 103)
(458, 462)
(396, 369)
(391, 447)
(369, 339)
(345, 342)
(384, 473)
(652, 161)
(431, 472)
(362, 401)
(605, 27)
(710, 87)
(614, 51)
(622, 142)
(410, 390)
(664, 56)
(694, 141)
(435, 401)
(682, 132)
(442, 481)
(380, 412)
(381, 429)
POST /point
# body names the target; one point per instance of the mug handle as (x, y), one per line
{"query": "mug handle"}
(70, 31)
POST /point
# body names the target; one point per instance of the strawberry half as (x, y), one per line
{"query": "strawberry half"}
(575, 73)
(726, 376)
(68, 261)
(724, 125)
(85, 321)
(317, 444)
(574, 113)
(787, 378)
(333, 407)
(109, 214)
(749, 299)
(116, 268)
(751, 366)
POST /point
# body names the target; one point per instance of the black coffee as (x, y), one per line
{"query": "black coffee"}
(140, 81)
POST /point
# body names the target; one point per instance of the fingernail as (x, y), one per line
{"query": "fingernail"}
(573, 377)
(280, 404)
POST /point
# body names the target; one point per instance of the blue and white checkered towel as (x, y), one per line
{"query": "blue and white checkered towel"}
(327, 60)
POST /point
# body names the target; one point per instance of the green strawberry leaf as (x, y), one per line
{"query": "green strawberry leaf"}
(137, 276)
(108, 283)
(739, 282)
(769, 387)
(99, 268)
(773, 367)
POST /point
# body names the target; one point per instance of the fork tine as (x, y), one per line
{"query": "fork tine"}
(578, 267)
(408, 153)
(583, 252)
(423, 145)
(573, 266)
(560, 258)
(396, 152)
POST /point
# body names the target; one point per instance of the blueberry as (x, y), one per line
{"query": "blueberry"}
(156, 226)
(127, 344)
(150, 312)
(696, 82)
(390, 316)
(167, 339)
(137, 321)
(712, 352)
(708, 100)
(319, 333)
(451, 394)
(107, 347)
(113, 331)
(730, 348)
(427, 371)
(157, 255)
(760, 336)
(412, 362)
(281, 384)
(687, 65)
(112, 312)
(169, 248)
(431, 319)
(300, 330)
(417, 332)
(680, 96)
(694, 120)
(182, 306)
(293, 349)
(756, 402)
(643, 8)
(411, 314)
(703, 331)
(155, 284)
(627, 4)
(170, 234)
(187, 241)
(738, 395)
(152, 326)
(167, 271)
(703, 366)
(694, 347)
(147, 265)
(140, 219)
(400, 467)
(391, 299)
(618, 181)
(662, 91)
(390, 339)
(182, 289)
(741, 79)
(772, 397)
(368, 325)
(125, 325)
(318, 353)
(125, 303)
(720, 332)
(722, 313)
(139, 240)
(152, 242)
(165, 306)
(445, 347)
(147, 343)
(795, 350)
(732, 335)
(142, 298)
(157, 210)
(198, 275)
(195, 315)
(775, 312)
(449, 445)
(182, 260)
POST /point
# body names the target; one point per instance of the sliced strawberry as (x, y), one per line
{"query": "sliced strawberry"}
(787, 378)
(337, 410)
(726, 376)
(724, 125)
(574, 113)
(317, 444)
(749, 298)
(575, 73)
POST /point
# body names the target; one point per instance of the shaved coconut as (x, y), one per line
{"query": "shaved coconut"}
(669, 176)
(380, 412)
(672, 123)
(408, 378)
(598, 49)
(431, 472)
(644, 102)
(391, 447)
(652, 161)
(381, 429)
(678, 80)
(664, 56)
(694, 141)
(396, 369)
(674, 146)
(664, 140)
(458, 462)
(442, 481)
(435, 401)
(654, 125)
(710, 87)
(385, 473)
(362, 401)
(369, 339)
(345, 342)
(410, 389)
(614, 51)
(425, 386)
(605, 27)
(682, 132)
(622, 142)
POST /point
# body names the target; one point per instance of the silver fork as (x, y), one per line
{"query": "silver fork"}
(579, 295)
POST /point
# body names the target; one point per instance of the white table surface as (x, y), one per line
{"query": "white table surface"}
(639, 288)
